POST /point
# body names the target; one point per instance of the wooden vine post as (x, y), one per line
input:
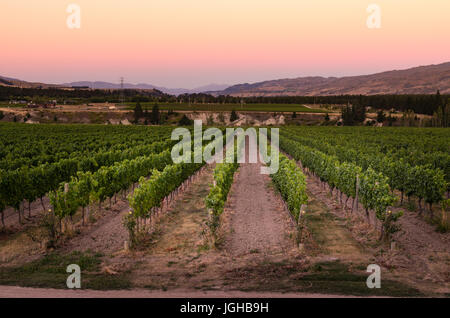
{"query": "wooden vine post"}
(300, 226)
(356, 195)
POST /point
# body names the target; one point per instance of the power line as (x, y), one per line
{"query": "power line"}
(122, 97)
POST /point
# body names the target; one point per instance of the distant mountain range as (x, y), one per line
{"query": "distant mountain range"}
(7, 81)
(417, 80)
(173, 91)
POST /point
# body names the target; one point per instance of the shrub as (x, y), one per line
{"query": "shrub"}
(233, 116)
(185, 121)
(210, 120)
(381, 117)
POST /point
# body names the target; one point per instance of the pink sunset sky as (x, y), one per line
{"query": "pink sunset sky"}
(188, 43)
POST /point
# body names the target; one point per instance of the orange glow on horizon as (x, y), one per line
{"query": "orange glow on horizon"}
(187, 43)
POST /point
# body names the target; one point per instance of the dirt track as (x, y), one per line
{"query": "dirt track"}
(25, 292)
(259, 223)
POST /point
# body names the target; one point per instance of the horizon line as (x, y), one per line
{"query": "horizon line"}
(156, 86)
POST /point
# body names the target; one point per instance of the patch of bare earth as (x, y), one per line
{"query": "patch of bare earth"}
(18, 248)
(330, 237)
(26, 292)
(421, 257)
(104, 233)
(31, 214)
(258, 221)
(17, 244)
(107, 235)
(423, 253)
(255, 220)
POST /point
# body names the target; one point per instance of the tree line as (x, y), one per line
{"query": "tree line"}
(82, 95)
(419, 103)
(438, 107)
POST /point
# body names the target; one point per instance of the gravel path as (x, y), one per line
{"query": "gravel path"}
(27, 292)
(259, 222)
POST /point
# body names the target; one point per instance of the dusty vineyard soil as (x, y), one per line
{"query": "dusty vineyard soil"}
(26, 292)
(421, 256)
(180, 255)
(12, 219)
(257, 219)
(424, 252)
(259, 222)
(329, 233)
(106, 236)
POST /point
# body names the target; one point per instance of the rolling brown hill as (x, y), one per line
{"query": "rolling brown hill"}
(417, 80)
(13, 82)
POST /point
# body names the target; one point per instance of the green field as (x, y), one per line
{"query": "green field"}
(229, 107)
